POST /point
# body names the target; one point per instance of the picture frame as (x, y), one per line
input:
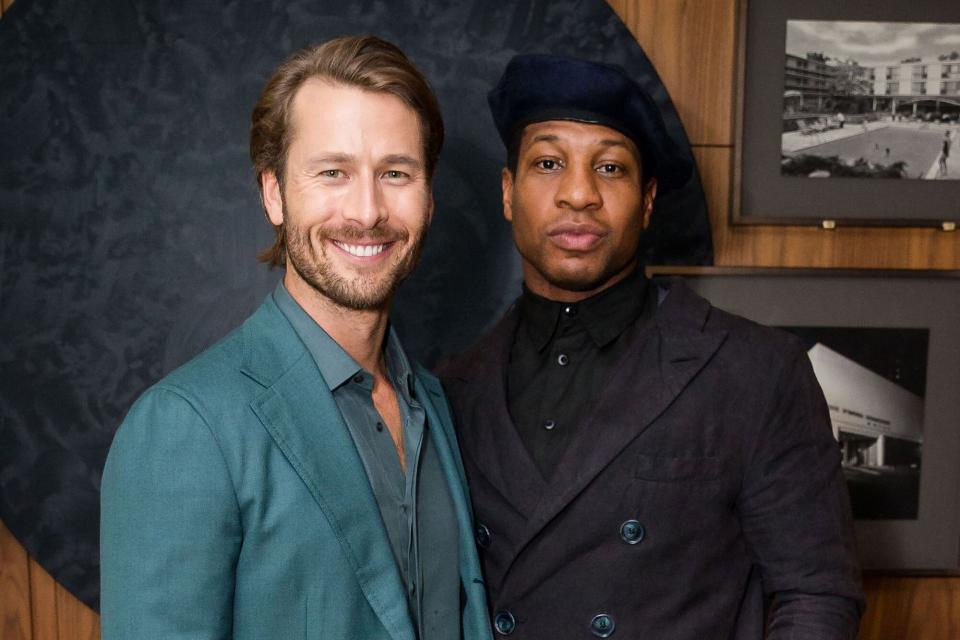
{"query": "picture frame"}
(760, 194)
(895, 301)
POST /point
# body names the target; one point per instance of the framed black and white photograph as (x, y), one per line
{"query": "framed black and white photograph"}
(885, 347)
(836, 95)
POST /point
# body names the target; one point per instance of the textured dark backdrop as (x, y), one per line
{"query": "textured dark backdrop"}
(130, 217)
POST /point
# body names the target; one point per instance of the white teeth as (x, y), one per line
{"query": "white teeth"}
(361, 250)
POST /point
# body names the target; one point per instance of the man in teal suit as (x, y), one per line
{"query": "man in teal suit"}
(301, 479)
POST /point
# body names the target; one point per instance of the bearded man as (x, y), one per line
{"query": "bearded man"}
(301, 478)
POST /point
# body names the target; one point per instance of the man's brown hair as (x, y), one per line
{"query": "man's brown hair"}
(366, 62)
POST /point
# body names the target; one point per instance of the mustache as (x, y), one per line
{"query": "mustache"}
(376, 235)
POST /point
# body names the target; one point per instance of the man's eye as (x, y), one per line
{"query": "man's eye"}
(548, 164)
(331, 173)
(395, 175)
(610, 168)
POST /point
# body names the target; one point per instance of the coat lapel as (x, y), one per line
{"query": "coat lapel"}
(301, 416)
(486, 426)
(660, 363)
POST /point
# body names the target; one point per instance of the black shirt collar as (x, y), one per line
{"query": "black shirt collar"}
(604, 315)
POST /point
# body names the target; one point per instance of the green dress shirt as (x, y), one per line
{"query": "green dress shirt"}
(416, 507)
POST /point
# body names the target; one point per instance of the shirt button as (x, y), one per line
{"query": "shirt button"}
(549, 425)
(632, 532)
(504, 623)
(570, 310)
(563, 360)
(602, 626)
(379, 426)
(358, 378)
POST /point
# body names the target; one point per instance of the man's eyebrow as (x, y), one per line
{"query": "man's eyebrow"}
(401, 158)
(608, 142)
(545, 137)
(328, 158)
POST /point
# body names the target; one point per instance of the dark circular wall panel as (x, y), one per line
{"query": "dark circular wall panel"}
(130, 216)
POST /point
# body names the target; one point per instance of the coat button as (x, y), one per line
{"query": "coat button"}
(632, 532)
(483, 536)
(602, 626)
(563, 359)
(504, 623)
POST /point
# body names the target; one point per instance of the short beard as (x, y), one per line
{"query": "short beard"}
(362, 292)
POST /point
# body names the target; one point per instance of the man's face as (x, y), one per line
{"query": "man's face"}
(577, 207)
(356, 202)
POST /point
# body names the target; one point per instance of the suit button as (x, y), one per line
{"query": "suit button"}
(563, 359)
(483, 536)
(602, 626)
(632, 532)
(504, 623)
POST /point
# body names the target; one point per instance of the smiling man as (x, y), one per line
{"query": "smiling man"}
(301, 478)
(642, 465)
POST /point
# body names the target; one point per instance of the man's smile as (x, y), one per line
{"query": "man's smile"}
(362, 250)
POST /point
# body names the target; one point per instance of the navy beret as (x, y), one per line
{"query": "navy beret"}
(536, 88)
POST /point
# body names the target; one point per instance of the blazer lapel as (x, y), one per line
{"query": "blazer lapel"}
(659, 364)
(440, 426)
(301, 416)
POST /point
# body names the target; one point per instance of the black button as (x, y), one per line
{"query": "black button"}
(602, 626)
(570, 310)
(358, 378)
(632, 532)
(504, 623)
(563, 360)
(549, 425)
(379, 426)
(483, 536)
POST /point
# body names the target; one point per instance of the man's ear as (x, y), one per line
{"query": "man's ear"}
(506, 186)
(649, 194)
(272, 197)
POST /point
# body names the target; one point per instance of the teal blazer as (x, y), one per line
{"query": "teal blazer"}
(235, 505)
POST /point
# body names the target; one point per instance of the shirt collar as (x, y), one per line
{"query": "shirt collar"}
(604, 315)
(336, 365)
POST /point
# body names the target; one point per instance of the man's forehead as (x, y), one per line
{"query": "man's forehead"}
(576, 132)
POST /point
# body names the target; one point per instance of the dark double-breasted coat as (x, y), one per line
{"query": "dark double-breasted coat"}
(703, 489)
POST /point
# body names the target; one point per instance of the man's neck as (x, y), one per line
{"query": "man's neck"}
(358, 332)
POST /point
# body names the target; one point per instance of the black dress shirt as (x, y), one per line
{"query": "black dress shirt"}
(561, 359)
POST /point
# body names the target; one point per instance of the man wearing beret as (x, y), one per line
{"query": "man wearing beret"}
(642, 465)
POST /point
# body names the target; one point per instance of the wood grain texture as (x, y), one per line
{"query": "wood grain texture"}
(43, 597)
(897, 607)
(792, 246)
(14, 589)
(75, 620)
(692, 44)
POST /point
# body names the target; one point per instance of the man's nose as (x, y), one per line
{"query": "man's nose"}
(365, 203)
(578, 189)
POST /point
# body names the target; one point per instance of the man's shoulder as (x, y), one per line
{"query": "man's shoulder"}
(748, 344)
(228, 369)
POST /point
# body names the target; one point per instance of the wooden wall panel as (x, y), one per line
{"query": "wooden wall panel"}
(43, 596)
(75, 621)
(927, 608)
(691, 45)
(15, 620)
